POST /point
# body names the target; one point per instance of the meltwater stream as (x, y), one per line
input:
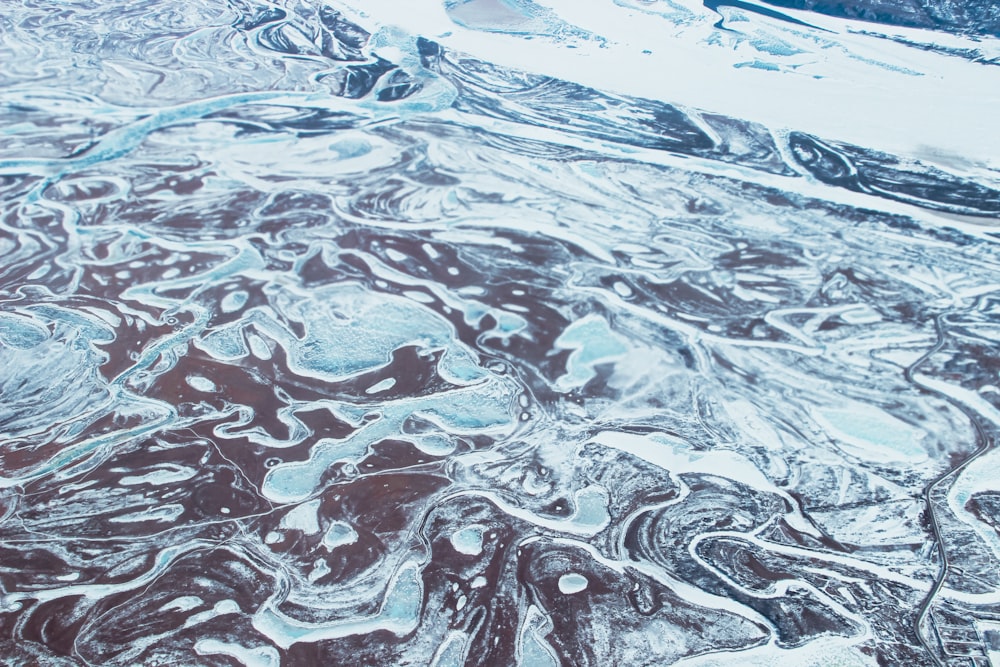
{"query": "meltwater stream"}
(499, 332)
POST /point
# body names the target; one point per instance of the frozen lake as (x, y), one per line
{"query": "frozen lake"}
(499, 332)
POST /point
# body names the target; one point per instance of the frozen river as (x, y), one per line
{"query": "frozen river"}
(499, 332)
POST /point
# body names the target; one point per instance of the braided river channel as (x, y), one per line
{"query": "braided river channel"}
(537, 333)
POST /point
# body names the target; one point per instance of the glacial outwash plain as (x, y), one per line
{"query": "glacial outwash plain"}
(499, 333)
